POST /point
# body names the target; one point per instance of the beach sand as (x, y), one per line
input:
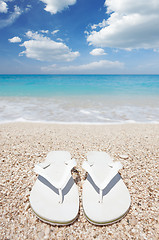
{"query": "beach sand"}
(22, 145)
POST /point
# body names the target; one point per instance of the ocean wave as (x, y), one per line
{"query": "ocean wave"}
(61, 110)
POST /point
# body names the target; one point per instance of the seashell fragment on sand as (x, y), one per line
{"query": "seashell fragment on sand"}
(124, 156)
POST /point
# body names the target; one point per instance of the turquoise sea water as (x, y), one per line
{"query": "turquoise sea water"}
(79, 98)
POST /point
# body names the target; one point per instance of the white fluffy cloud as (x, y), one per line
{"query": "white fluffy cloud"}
(12, 17)
(14, 40)
(98, 52)
(3, 7)
(44, 31)
(131, 25)
(102, 24)
(55, 31)
(54, 6)
(28, 7)
(101, 67)
(44, 49)
(130, 6)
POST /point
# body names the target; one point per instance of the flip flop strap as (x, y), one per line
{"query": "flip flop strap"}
(65, 178)
(115, 167)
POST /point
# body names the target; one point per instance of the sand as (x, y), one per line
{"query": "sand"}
(22, 145)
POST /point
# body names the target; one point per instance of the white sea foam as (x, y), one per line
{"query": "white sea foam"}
(103, 118)
(85, 112)
(76, 111)
(79, 123)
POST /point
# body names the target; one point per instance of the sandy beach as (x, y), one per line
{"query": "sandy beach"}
(22, 145)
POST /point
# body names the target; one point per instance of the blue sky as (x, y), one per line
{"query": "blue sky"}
(79, 37)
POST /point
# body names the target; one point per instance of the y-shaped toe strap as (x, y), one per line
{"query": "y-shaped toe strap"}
(64, 179)
(115, 167)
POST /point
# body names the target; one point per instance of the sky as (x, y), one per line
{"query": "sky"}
(79, 37)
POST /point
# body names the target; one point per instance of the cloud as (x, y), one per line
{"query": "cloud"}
(55, 31)
(44, 49)
(131, 25)
(98, 52)
(100, 67)
(44, 31)
(54, 6)
(14, 40)
(3, 7)
(101, 25)
(59, 39)
(28, 7)
(12, 17)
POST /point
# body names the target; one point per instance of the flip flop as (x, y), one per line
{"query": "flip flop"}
(105, 197)
(54, 197)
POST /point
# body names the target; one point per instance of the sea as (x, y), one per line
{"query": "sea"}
(84, 99)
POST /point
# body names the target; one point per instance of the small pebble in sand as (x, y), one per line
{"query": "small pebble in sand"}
(133, 221)
(124, 156)
(47, 230)
(27, 206)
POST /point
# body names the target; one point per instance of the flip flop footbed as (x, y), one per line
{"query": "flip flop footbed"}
(44, 197)
(115, 196)
(44, 201)
(115, 203)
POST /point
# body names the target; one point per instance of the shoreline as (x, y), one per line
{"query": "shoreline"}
(128, 122)
(22, 145)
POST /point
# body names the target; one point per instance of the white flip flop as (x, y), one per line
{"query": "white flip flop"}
(105, 197)
(54, 197)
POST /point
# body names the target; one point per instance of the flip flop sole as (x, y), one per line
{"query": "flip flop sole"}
(106, 223)
(53, 222)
